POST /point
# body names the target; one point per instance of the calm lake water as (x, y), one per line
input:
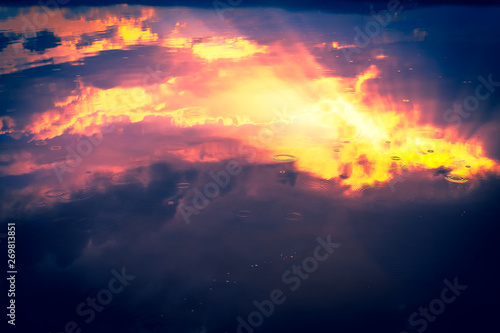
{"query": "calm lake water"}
(239, 169)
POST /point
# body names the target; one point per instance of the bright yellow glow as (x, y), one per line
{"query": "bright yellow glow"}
(228, 48)
(337, 46)
(135, 35)
(276, 96)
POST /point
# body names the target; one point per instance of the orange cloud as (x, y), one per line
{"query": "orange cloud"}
(335, 127)
(72, 31)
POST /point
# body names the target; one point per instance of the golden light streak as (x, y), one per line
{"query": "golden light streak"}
(337, 46)
(227, 48)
